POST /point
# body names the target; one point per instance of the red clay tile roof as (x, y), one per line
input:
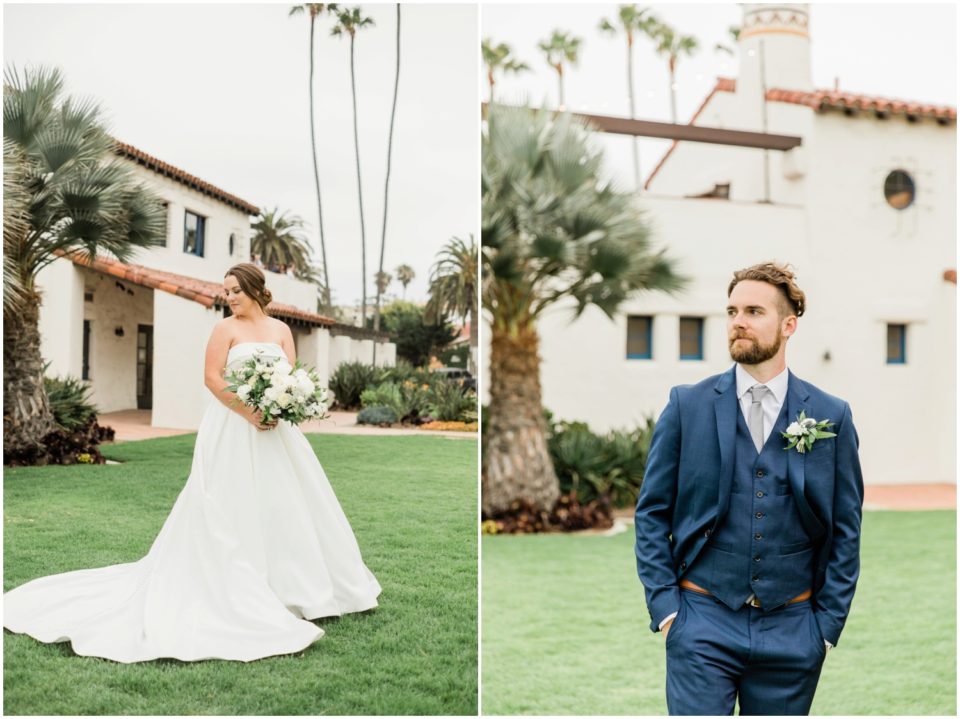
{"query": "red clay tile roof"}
(821, 100)
(159, 166)
(209, 294)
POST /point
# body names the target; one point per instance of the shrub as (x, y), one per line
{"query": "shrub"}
(69, 401)
(447, 403)
(608, 467)
(376, 415)
(350, 379)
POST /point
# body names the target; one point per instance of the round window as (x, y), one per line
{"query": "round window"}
(232, 241)
(899, 190)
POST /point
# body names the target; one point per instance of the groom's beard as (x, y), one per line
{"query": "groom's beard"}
(754, 353)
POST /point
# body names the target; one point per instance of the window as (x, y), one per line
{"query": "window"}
(193, 230)
(639, 337)
(896, 344)
(165, 209)
(899, 190)
(232, 245)
(691, 338)
(85, 372)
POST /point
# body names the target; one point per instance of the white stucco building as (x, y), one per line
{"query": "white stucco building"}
(864, 209)
(138, 330)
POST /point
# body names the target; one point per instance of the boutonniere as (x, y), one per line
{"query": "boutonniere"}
(805, 431)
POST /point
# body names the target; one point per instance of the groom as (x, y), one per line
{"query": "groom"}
(749, 552)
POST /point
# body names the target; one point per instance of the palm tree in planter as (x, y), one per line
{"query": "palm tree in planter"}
(672, 45)
(632, 21)
(315, 10)
(349, 21)
(552, 232)
(81, 199)
(405, 275)
(453, 287)
(279, 242)
(498, 58)
(560, 48)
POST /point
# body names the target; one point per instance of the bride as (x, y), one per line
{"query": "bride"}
(254, 547)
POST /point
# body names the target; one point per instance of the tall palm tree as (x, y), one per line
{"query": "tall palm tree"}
(633, 21)
(672, 46)
(497, 59)
(382, 280)
(733, 33)
(552, 232)
(16, 221)
(314, 10)
(405, 275)
(279, 242)
(82, 199)
(386, 187)
(349, 22)
(453, 288)
(561, 48)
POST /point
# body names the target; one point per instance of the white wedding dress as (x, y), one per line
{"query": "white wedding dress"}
(255, 545)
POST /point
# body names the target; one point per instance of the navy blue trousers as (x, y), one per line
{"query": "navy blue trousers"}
(771, 660)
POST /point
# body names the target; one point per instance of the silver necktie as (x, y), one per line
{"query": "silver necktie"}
(755, 418)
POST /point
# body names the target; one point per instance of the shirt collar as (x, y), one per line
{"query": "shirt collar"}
(777, 385)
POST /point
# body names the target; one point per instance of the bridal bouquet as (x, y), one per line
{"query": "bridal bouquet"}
(279, 390)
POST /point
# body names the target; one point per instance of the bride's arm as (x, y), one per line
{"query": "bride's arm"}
(289, 348)
(214, 364)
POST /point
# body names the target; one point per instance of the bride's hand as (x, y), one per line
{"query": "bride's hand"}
(256, 419)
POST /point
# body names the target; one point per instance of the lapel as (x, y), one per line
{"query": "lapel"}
(725, 407)
(798, 397)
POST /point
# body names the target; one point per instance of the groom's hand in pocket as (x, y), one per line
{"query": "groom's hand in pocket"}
(666, 628)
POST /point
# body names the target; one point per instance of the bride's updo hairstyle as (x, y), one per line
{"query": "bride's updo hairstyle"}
(252, 282)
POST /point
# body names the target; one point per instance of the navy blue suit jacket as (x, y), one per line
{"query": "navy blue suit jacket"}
(689, 474)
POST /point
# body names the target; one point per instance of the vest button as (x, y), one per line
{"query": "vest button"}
(683, 565)
(706, 533)
(759, 472)
(759, 494)
(757, 558)
(759, 515)
(758, 536)
(755, 579)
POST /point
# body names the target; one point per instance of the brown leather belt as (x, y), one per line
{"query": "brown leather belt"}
(754, 602)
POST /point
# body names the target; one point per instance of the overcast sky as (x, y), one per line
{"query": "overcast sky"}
(898, 51)
(221, 92)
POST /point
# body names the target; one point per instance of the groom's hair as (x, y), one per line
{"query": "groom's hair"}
(792, 299)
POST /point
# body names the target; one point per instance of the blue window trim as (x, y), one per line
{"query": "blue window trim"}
(201, 231)
(903, 344)
(649, 333)
(699, 354)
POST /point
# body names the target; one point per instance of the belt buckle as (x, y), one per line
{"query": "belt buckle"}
(754, 602)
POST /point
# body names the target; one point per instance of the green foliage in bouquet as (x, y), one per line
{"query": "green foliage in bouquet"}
(279, 390)
(609, 466)
(376, 415)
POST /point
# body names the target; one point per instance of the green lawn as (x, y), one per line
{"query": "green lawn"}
(565, 626)
(412, 504)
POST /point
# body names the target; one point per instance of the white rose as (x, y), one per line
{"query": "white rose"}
(252, 381)
(795, 430)
(301, 374)
(305, 386)
(243, 392)
(272, 393)
(284, 399)
(283, 367)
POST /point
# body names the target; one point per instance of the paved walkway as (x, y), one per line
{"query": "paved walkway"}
(134, 424)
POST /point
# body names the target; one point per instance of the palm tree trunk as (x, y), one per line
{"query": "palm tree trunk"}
(26, 410)
(633, 114)
(356, 145)
(560, 83)
(316, 176)
(491, 81)
(673, 93)
(516, 461)
(474, 335)
(386, 186)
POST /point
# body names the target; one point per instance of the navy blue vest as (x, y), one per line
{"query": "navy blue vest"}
(760, 547)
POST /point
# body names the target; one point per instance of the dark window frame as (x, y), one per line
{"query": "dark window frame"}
(200, 236)
(699, 354)
(900, 358)
(85, 369)
(648, 336)
(896, 182)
